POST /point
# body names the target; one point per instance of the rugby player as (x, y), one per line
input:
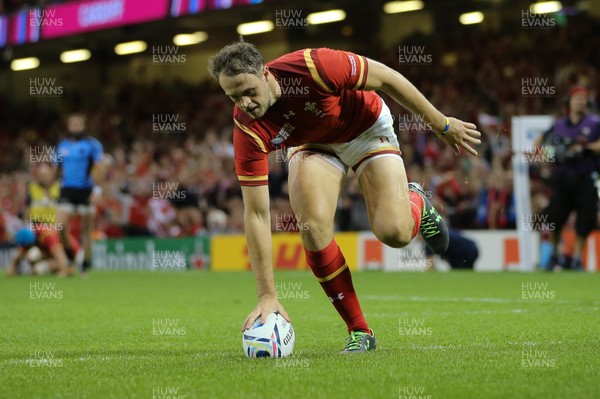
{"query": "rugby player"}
(323, 104)
(575, 178)
(53, 259)
(79, 157)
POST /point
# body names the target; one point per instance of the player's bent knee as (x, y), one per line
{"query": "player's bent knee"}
(315, 234)
(394, 237)
(312, 229)
(394, 242)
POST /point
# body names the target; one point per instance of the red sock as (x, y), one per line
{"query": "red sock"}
(331, 269)
(416, 209)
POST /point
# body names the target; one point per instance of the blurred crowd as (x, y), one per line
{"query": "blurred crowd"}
(182, 181)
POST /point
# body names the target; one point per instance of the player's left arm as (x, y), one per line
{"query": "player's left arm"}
(594, 146)
(101, 163)
(58, 261)
(458, 133)
(59, 256)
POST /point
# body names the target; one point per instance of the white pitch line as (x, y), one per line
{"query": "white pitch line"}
(485, 311)
(465, 299)
(104, 358)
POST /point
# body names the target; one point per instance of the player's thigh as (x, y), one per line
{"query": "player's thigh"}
(314, 186)
(586, 208)
(64, 213)
(561, 204)
(68, 203)
(87, 215)
(385, 186)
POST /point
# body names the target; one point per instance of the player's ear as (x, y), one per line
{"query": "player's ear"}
(265, 72)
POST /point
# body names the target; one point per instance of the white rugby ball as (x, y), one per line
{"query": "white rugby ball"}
(34, 254)
(275, 338)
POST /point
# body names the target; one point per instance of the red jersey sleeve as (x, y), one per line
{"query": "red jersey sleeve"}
(251, 162)
(337, 70)
(48, 240)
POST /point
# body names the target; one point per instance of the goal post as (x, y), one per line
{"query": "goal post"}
(525, 130)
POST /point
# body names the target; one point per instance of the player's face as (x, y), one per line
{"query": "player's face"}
(45, 174)
(249, 92)
(76, 124)
(578, 102)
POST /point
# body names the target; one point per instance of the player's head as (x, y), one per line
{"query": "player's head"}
(578, 100)
(240, 70)
(76, 123)
(44, 174)
(25, 237)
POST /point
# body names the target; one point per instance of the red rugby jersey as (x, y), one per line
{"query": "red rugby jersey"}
(322, 102)
(47, 239)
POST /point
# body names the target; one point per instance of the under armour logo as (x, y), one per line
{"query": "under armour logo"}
(312, 107)
(283, 134)
(384, 139)
(289, 114)
(339, 297)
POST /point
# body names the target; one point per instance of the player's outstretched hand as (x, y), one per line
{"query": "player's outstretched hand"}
(461, 134)
(265, 306)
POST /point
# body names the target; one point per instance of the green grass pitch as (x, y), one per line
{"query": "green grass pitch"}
(176, 335)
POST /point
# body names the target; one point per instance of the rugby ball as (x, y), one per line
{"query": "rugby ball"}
(275, 338)
(34, 254)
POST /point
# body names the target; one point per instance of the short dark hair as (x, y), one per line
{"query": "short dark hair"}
(236, 58)
(77, 115)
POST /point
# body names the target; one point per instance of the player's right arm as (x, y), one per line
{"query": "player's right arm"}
(452, 131)
(345, 70)
(252, 169)
(257, 222)
(13, 267)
